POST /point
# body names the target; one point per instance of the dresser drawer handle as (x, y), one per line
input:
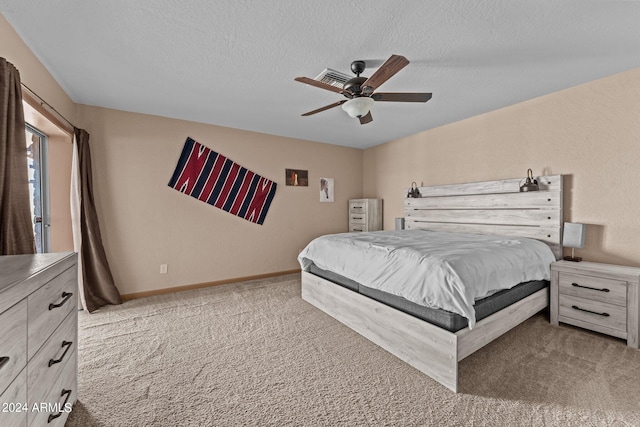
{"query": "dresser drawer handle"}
(589, 311)
(67, 344)
(3, 361)
(54, 416)
(65, 296)
(588, 287)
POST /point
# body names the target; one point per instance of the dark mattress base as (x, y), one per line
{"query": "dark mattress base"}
(445, 319)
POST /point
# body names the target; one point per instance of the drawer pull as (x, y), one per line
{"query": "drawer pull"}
(65, 296)
(588, 287)
(357, 207)
(67, 344)
(589, 311)
(3, 361)
(54, 416)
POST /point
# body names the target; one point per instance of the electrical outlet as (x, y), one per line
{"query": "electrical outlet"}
(163, 268)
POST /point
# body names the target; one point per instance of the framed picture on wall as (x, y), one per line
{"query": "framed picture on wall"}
(326, 190)
(296, 177)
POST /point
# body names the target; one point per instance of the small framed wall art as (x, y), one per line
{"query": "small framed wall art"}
(326, 190)
(297, 177)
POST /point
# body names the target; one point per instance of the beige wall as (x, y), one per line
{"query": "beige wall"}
(145, 223)
(590, 133)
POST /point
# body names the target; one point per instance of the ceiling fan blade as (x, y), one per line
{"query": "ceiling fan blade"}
(326, 107)
(401, 96)
(367, 118)
(316, 83)
(391, 66)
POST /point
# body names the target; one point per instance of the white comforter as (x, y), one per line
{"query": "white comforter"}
(431, 268)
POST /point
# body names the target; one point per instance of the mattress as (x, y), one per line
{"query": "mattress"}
(444, 270)
(452, 322)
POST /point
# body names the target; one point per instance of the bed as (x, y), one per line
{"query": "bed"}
(494, 208)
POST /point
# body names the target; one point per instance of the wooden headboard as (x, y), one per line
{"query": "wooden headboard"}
(491, 207)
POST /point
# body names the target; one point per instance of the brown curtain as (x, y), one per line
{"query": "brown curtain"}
(98, 286)
(16, 228)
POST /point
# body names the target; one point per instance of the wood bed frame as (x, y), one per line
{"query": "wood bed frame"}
(490, 207)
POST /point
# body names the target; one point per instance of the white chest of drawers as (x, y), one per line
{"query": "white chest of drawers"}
(601, 297)
(365, 215)
(38, 339)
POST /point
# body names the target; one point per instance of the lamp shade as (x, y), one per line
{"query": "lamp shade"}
(358, 107)
(573, 235)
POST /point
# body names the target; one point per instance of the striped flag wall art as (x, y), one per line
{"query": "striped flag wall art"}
(214, 179)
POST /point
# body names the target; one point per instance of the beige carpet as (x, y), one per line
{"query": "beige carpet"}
(256, 354)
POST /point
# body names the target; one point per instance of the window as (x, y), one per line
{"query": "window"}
(39, 187)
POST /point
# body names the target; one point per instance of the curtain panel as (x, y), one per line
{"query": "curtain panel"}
(16, 227)
(97, 285)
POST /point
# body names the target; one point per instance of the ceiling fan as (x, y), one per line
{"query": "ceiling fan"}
(359, 91)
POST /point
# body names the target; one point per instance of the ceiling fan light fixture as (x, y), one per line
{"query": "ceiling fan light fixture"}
(358, 107)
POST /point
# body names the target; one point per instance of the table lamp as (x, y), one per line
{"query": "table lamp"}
(573, 237)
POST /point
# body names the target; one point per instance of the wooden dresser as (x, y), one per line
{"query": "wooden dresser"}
(601, 297)
(38, 339)
(365, 215)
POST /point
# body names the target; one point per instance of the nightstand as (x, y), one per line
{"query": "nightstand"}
(600, 297)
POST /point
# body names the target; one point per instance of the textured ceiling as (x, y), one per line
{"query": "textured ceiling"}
(232, 63)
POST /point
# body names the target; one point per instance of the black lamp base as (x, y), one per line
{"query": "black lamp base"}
(572, 258)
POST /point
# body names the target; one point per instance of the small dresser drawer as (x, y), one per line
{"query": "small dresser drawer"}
(48, 306)
(593, 312)
(357, 206)
(56, 406)
(354, 228)
(13, 409)
(49, 362)
(595, 288)
(357, 219)
(13, 343)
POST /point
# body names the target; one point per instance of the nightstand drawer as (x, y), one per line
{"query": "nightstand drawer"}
(594, 288)
(594, 312)
(357, 227)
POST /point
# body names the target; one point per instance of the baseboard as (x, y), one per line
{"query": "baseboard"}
(136, 295)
